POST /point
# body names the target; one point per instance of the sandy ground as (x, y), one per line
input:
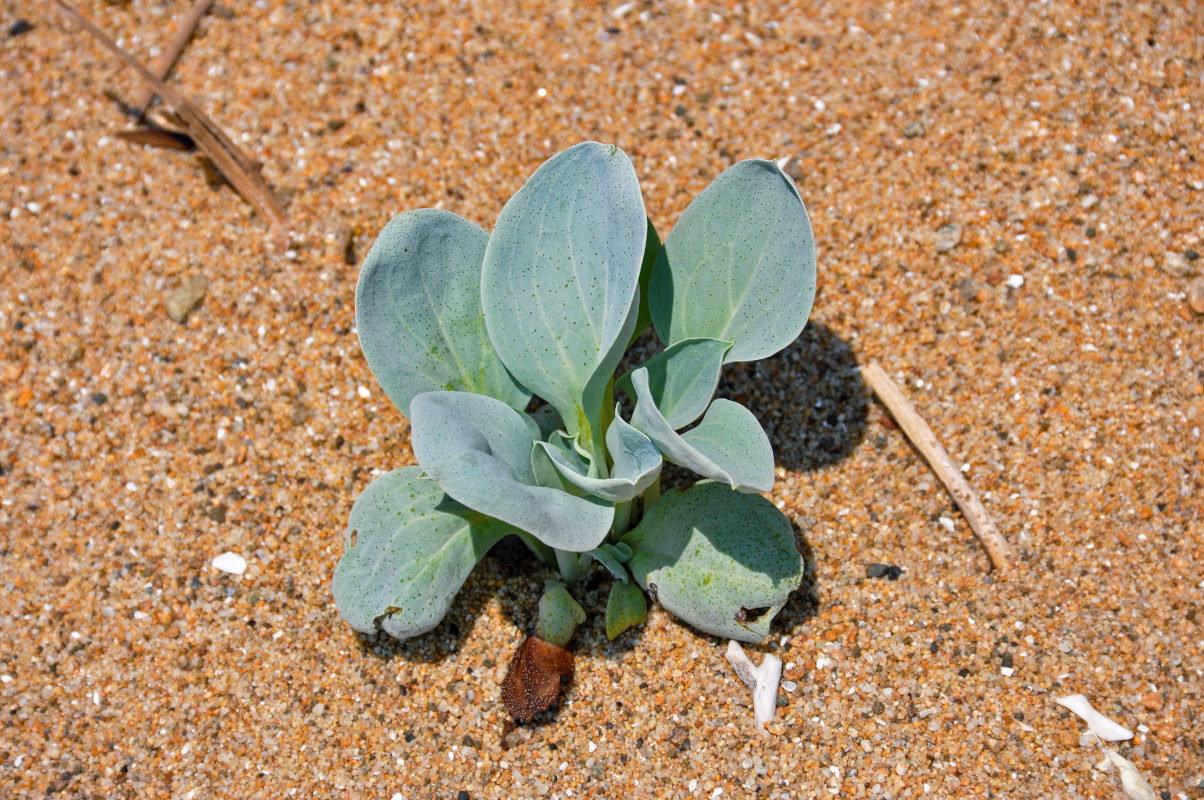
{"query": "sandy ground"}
(1047, 338)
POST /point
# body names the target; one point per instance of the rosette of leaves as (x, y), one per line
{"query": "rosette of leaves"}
(463, 329)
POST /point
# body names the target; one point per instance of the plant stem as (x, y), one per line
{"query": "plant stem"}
(652, 493)
(569, 565)
(622, 518)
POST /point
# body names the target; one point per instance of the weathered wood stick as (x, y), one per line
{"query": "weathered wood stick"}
(930, 447)
(239, 170)
(168, 59)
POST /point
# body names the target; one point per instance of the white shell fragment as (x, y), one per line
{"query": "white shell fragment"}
(1097, 723)
(232, 563)
(1132, 784)
(763, 681)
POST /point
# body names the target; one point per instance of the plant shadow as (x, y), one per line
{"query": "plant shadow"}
(809, 398)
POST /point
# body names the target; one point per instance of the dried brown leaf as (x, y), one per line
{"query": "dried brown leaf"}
(537, 675)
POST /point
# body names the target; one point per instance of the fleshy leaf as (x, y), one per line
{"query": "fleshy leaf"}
(722, 561)
(479, 451)
(682, 379)
(729, 444)
(739, 266)
(559, 614)
(418, 311)
(613, 558)
(560, 278)
(626, 607)
(408, 553)
(637, 464)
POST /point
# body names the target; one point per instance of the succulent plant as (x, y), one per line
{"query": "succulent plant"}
(502, 349)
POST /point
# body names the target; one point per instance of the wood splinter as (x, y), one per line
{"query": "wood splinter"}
(930, 447)
(232, 162)
(763, 681)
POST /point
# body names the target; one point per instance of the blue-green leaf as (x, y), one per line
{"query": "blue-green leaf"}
(613, 558)
(729, 444)
(560, 279)
(739, 266)
(418, 311)
(682, 379)
(409, 551)
(626, 607)
(479, 451)
(721, 561)
(637, 463)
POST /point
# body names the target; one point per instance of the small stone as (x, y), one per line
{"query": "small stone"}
(1152, 700)
(462, 795)
(679, 737)
(19, 27)
(776, 727)
(793, 167)
(300, 414)
(231, 563)
(913, 130)
(75, 352)
(969, 289)
(216, 513)
(947, 237)
(183, 299)
(888, 571)
(1190, 255)
(1195, 295)
(99, 398)
(1176, 264)
(928, 335)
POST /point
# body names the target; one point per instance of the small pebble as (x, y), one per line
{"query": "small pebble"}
(229, 562)
(947, 238)
(19, 27)
(913, 130)
(185, 298)
(1152, 700)
(888, 571)
(1195, 295)
(1176, 264)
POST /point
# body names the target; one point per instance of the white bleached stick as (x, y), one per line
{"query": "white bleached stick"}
(762, 680)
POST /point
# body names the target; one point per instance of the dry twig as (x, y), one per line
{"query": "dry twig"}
(926, 442)
(168, 59)
(239, 170)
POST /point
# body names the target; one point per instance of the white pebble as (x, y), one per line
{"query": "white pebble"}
(946, 523)
(789, 686)
(1015, 281)
(622, 10)
(592, 747)
(363, 392)
(140, 615)
(1007, 672)
(6, 678)
(231, 563)
(1097, 723)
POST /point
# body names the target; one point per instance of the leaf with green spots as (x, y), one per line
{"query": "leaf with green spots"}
(408, 553)
(722, 561)
(739, 266)
(626, 607)
(418, 311)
